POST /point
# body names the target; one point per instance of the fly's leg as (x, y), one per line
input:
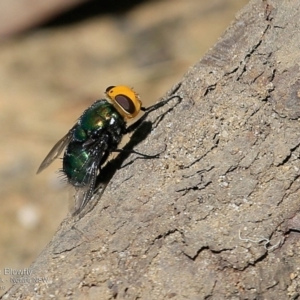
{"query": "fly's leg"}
(138, 153)
(135, 125)
(148, 110)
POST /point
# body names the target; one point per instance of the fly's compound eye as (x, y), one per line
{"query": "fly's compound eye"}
(126, 103)
(125, 100)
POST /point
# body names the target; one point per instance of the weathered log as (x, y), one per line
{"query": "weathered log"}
(216, 216)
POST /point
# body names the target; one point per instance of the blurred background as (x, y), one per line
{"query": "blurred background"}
(57, 58)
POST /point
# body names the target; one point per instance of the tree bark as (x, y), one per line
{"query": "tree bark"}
(217, 215)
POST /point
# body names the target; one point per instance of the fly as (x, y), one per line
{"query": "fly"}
(95, 135)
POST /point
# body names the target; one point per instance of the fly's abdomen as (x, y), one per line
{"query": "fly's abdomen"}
(76, 164)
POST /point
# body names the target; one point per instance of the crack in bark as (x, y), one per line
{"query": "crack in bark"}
(287, 158)
(196, 187)
(247, 57)
(198, 172)
(210, 88)
(205, 154)
(193, 258)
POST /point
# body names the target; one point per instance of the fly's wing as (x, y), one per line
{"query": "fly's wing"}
(81, 203)
(85, 193)
(55, 152)
(92, 165)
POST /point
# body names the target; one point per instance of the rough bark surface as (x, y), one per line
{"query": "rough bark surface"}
(217, 215)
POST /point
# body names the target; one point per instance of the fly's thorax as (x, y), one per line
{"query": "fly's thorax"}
(101, 115)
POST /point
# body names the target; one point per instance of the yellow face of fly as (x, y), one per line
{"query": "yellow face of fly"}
(125, 100)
